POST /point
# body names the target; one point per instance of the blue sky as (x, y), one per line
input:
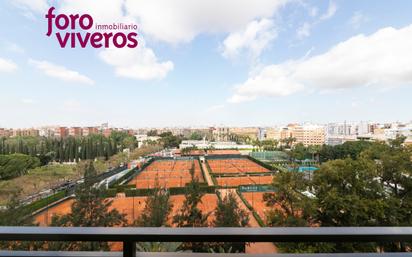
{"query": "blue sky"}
(200, 63)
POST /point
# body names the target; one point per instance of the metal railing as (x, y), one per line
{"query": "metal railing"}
(129, 237)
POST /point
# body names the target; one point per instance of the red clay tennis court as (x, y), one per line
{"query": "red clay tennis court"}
(131, 206)
(168, 173)
(255, 199)
(235, 165)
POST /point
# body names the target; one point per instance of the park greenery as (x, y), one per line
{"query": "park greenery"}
(69, 149)
(15, 165)
(38, 179)
(358, 184)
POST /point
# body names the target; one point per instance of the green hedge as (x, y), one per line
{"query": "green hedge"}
(225, 156)
(244, 200)
(258, 219)
(254, 213)
(243, 174)
(173, 191)
(37, 205)
(111, 192)
(122, 188)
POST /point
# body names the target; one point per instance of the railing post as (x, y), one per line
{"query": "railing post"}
(129, 249)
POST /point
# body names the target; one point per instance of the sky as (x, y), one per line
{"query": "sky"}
(210, 63)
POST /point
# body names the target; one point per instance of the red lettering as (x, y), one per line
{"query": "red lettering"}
(133, 41)
(63, 42)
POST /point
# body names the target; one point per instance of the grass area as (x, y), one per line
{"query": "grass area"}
(36, 180)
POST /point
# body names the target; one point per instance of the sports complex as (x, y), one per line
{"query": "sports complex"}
(247, 178)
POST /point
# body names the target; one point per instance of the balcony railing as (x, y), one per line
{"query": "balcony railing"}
(129, 237)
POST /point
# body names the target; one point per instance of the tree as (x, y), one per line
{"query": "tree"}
(195, 136)
(169, 140)
(348, 193)
(348, 149)
(152, 133)
(13, 215)
(89, 209)
(299, 152)
(69, 148)
(229, 214)
(270, 144)
(158, 247)
(15, 165)
(190, 215)
(290, 207)
(288, 142)
(157, 208)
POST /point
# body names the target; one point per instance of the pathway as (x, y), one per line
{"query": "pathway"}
(206, 173)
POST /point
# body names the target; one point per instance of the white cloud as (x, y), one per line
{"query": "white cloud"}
(273, 80)
(382, 59)
(72, 105)
(304, 30)
(313, 12)
(27, 101)
(177, 21)
(357, 19)
(254, 38)
(332, 8)
(215, 108)
(180, 21)
(29, 6)
(14, 48)
(138, 63)
(102, 11)
(60, 72)
(7, 65)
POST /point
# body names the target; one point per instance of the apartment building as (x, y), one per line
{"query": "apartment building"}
(61, 132)
(221, 134)
(273, 133)
(107, 132)
(5, 132)
(25, 132)
(251, 132)
(89, 131)
(75, 132)
(309, 134)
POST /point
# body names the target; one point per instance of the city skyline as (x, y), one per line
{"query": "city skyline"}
(117, 126)
(275, 62)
